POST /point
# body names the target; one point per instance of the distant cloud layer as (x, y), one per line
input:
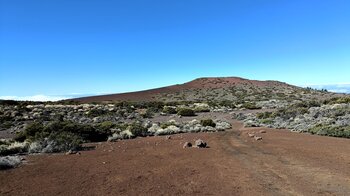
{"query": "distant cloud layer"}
(45, 97)
(337, 88)
(34, 98)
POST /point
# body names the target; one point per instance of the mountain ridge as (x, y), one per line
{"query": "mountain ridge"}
(203, 88)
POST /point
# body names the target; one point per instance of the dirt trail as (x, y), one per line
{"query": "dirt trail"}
(283, 170)
(283, 163)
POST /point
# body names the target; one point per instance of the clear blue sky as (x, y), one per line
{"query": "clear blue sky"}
(60, 47)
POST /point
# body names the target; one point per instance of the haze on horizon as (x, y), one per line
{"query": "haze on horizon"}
(52, 50)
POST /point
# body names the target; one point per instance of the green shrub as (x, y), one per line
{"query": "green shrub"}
(250, 106)
(201, 109)
(266, 121)
(208, 122)
(164, 125)
(89, 133)
(227, 103)
(337, 100)
(96, 112)
(64, 141)
(138, 130)
(29, 132)
(169, 110)
(291, 111)
(264, 115)
(331, 131)
(186, 112)
(147, 114)
(105, 126)
(9, 102)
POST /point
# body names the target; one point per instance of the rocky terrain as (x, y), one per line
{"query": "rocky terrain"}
(238, 122)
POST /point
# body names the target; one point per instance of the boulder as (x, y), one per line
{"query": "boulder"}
(257, 138)
(200, 143)
(187, 145)
(251, 134)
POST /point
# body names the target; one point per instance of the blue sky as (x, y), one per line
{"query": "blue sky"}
(64, 48)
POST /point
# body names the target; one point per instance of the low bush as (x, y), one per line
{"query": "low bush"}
(9, 162)
(62, 136)
(147, 114)
(290, 112)
(169, 110)
(186, 112)
(138, 130)
(106, 126)
(337, 100)
(96, 112)
(331, 131)
(266, 121)
(201, 109)
(165, 125)
(250, 106)
(264, 115)
(61, 142)
(208, 122)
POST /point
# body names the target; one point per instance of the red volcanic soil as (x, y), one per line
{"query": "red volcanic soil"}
(283, 163)
(201, 83)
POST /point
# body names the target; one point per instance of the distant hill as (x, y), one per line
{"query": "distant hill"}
(215, 89)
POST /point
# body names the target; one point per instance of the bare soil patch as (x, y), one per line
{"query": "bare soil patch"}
(283, 163)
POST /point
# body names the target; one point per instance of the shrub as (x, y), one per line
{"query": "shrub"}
(227, 103)
(250, 106)
(208, 122)
(264, 115)
(9, 162)
(202, 109)
(89, 133)
(14, 148)
(165, 125)
(331, 131)
(4, 119)
(62, 142)
(9, 102)
(169, 110)
(266, 121)
(147, 114)
(96, 112)
(106, 126)
(290, 112)
(29, 132)
(186, 112)
(337, 100)
(138, 130)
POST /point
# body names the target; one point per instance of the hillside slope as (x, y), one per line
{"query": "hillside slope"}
(215, 89)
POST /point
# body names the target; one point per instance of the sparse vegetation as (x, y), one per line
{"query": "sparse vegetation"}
(250, 106)
(201, 109)
(169, 110)
(331, 131)
(63, 136)
(208, 122)
(337, 100)
(186, 112)
(138, 130)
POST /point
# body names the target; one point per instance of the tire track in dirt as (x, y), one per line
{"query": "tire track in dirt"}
(281, 174)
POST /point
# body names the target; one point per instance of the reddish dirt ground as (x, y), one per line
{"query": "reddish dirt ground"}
(283, 163)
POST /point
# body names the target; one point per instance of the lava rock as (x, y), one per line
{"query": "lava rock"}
(200, 143)
(187, 145)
